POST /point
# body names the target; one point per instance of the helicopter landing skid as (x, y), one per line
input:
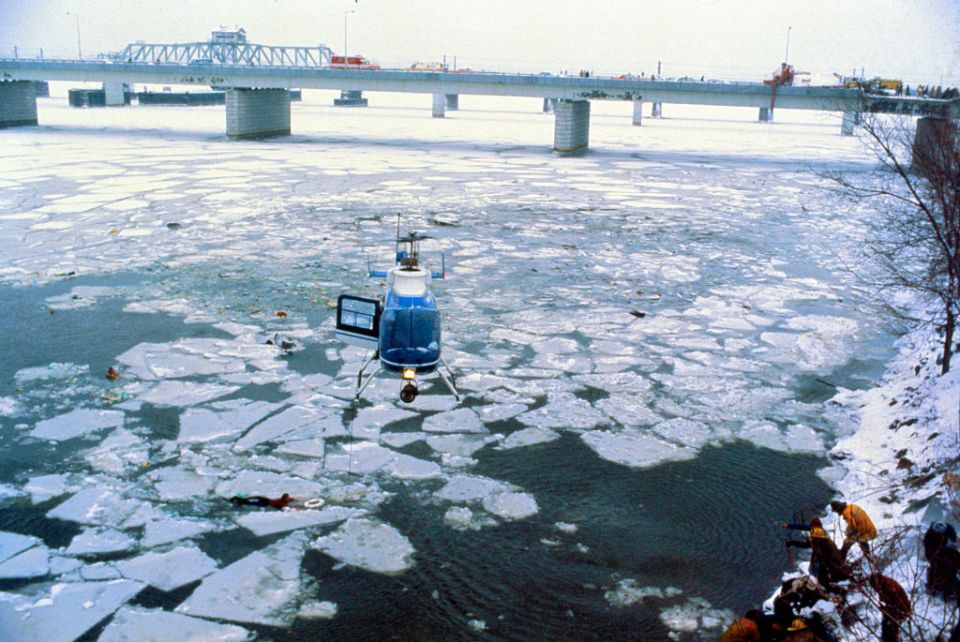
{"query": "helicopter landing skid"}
(448, 382)
(361, 384)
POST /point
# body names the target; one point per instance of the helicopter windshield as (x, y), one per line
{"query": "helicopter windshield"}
(410, 337)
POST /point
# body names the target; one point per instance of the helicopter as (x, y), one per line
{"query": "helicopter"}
(403, 326)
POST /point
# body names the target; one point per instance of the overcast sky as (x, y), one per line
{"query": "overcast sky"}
(916, 40)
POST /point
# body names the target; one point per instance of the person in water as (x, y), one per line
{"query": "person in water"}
(259, 500)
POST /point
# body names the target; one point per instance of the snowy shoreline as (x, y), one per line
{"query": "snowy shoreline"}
(896, 464)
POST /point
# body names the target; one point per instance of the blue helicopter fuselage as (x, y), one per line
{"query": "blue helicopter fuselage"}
(410, 322)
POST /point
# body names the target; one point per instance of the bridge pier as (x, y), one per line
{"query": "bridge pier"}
(936, 145)
(258, 113)
(571, 128)
(453, 102)
(850, 120)
(18, 103)
(656, 110)
(439, 105)
(765, 115)
(638, 112)
(549, 104)
(113, 94)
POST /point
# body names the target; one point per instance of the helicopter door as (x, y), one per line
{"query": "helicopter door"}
(358, 321)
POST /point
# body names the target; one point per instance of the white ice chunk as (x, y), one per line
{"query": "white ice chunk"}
(564, 411)
(511, 505)
(261, 588)
(132, 624)
(185, 393)
(370, 545)
(168, 530)
(99, 541)
(460, 420)
(184, 358)
(302, 448)
(764, 434)
(527, 437)
(14, 543)
(467, 488)
(275, 427)
(265, 522)
(501, 411)
(69, 611)
(170, 570)
(694, 434)
(630, 411)
(95, 506)
(81, 296)
(33, 562)
(458, 444)
(8, 407)
(371, 420)
(359, 458)
(404, 466)
(99, 571)
(173, 484)
(121, 450)
(75, 423)
(628, 592)
(401, 439)
(226, 419)
(635, 449)
(317, 611)
(262, 482)
(803, 439)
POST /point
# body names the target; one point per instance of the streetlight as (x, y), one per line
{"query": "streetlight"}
(345, 32)
(77, 17)
(786, 54)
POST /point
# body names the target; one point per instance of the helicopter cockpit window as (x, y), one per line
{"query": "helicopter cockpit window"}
(410, 336)
(358, 313)
(358, 320)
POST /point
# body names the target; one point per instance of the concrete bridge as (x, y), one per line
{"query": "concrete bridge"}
(258, 102)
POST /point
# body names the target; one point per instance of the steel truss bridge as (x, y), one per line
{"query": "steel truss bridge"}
(225, 53)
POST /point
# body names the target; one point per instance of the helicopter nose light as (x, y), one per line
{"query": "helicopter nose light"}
(409, 392)
(409, 374)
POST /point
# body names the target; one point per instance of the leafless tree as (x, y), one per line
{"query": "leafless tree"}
(914, 241)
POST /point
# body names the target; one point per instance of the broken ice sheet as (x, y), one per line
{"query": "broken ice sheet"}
(76, 423)
(629, 592)
(33, 562)
(370, 545)
(359, 458)
(53, 370)
(222, 419)
(268, 522)
(185, 393)
(468, 488)
(170, 570)
(66, 613)
(157, 532)
(102, 506)
(635, 449)
(81, 296)
(511, 505)
(174, 484)
(527, 437)
(100, 541)
(295, 418)
(134, 624)
(261, 588)
(183, 358)
(14, 543)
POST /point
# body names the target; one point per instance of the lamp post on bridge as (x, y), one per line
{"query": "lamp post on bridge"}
(77, 17)
(786, 54)
(345, 13)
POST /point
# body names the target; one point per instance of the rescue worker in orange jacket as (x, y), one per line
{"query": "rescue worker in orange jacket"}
(859, 527)
(743, 630)
(827, 562)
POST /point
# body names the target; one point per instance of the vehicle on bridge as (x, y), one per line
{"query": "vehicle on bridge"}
(427, 66)
(352, 62)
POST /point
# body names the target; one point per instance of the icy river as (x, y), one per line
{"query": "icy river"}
(646, 338)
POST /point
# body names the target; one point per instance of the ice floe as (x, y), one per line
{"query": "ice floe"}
(65, 613)
(270, 521)
(370, 545)
(100, 541)
(635, 449)
(222, 419)
(157, 532)
(461, 420)
(185, 393)
(511, 505)
(323, 610)
(77, 423)
(185, 358)
(134, 624)
(261, 588)
(13, 543)
(170, 570)
(33, 562)
(527, 437)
